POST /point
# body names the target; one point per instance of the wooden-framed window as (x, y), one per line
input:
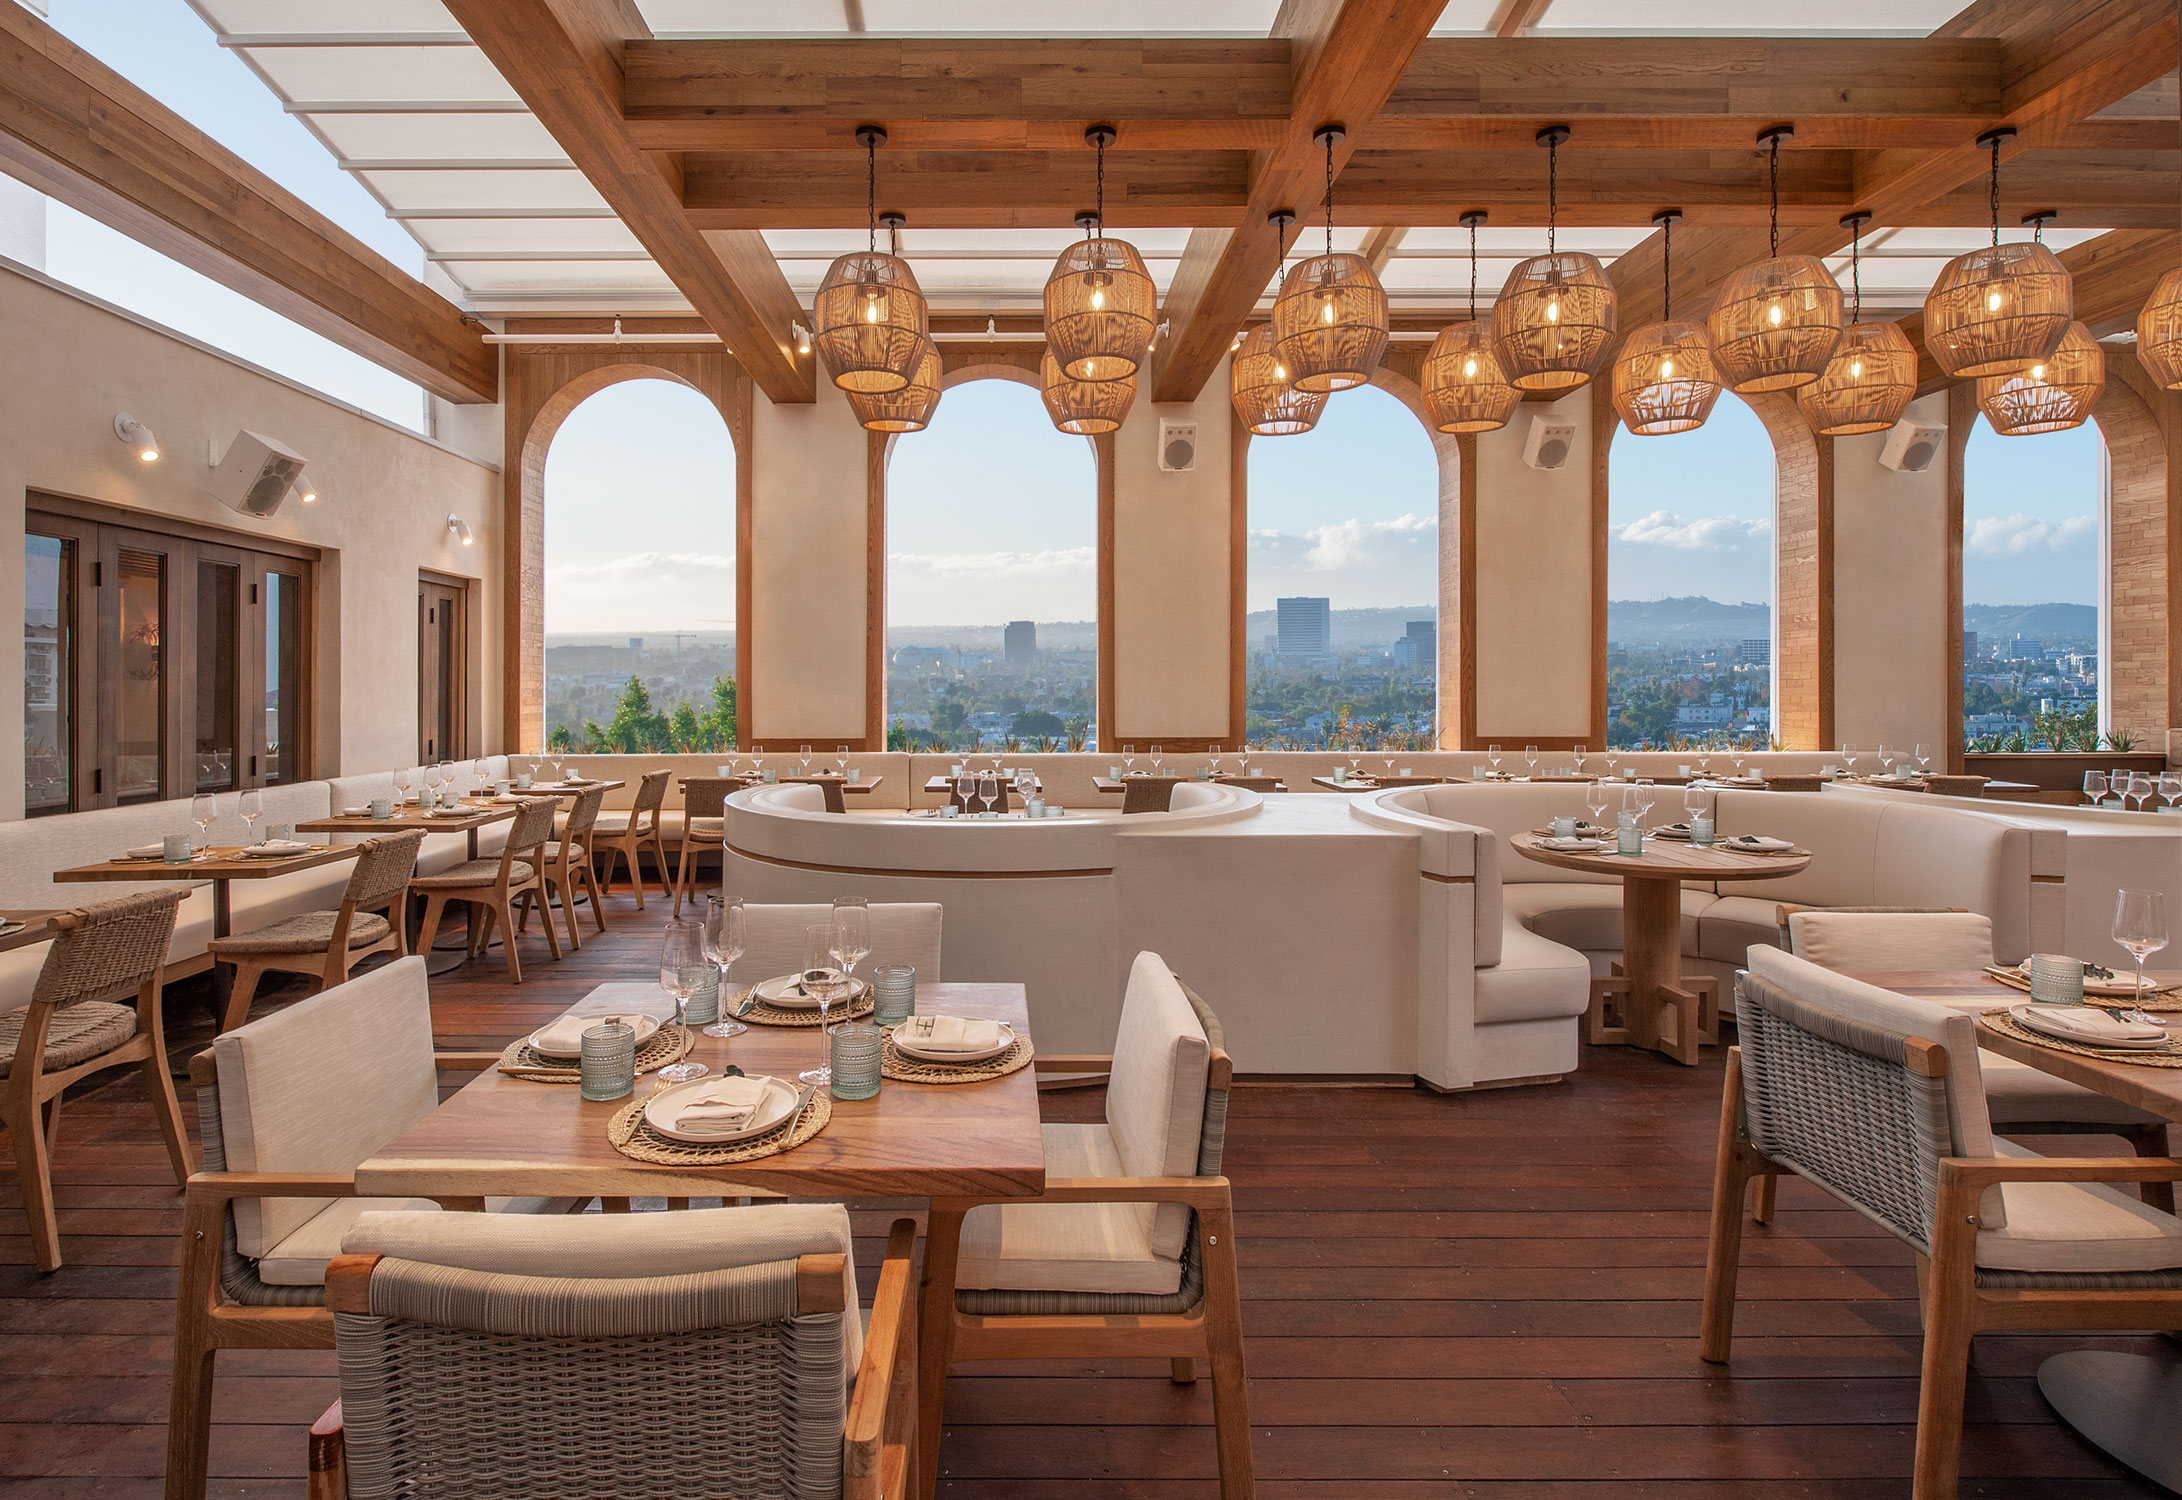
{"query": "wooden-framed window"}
(159, 660)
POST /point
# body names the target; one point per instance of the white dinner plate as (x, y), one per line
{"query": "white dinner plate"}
(904, 1046)
(269, 850)
(779, 1103)
(2025, 1018)
(780, 990)
(646, 1027)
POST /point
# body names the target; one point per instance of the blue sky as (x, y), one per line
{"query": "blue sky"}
(1692, 512)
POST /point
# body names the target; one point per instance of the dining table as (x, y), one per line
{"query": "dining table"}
(2124, 1403)
(472, 817)
(1647, 1002)
(221, 867)
(22, 926)
(507, 1136)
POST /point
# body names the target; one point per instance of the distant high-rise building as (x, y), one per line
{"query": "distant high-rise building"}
(636, 643)
(1969, 645)
(1419, 645)
(2023, 648)
(1306, 626)
(1021, 643)
(1756, 652)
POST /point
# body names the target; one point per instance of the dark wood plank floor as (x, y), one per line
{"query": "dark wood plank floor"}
(1490, 1296)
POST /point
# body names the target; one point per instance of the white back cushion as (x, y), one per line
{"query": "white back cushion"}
(902, 932)
(798, 796)
(321, 1085)
(1155, 1099)
(1875, 942)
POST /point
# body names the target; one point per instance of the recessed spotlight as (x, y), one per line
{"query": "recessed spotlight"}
(137, 436)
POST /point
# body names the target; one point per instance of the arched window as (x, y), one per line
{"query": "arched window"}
(2033, 512)
(991, 576)
(640, 572)
(1690, 540)
(1342, 603)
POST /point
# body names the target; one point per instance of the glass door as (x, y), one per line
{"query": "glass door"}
(217, 691)
(136, 682)
(442, 650)
(49, 672)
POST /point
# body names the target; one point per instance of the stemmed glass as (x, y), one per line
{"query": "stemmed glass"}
(1886, 761)
(2170, 788)
(1695, 799)
(725, 937)
(1128, 760)
(553, 762)
(841, 761)
(1647, 794)
(757, 762)
(1735, 759)
(1026, 784)
(2094, 787)
(1492, 753)
(1580, 754)
(404, 780)
(1530, 756)
(1923, 753)
(446, 778)
(1156, 753)
(1355, 754)
(1215, 756)
(1387, 753)
(1848, 759)
(965, 787)
(2140, 925)
(202, 810)
(252, 807)
(1613, 758)
(1594, 800)
(823, 982)
(988, 791)
(1704, 763)
(805, 752)
(852, 934)
(681, 970)
(2140, 787)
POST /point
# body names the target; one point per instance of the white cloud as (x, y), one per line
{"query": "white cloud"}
(989, 588)
(2021, 536)
(994, 564)
(1664, 528)
(639, 592)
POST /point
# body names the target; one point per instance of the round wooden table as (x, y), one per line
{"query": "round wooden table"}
(1646, 1002)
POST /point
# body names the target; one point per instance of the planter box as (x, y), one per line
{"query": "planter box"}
(2060, 771)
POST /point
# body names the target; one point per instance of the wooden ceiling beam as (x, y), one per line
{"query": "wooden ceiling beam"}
(81, 133)
(564, 57)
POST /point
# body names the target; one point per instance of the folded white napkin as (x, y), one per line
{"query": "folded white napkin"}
(566, 1034)
(1570, 845)
(950, 1033)
(146, 851)
(2091, 1025)
(1758, 842)
(721, 1106)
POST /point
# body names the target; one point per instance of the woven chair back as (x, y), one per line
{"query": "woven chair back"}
(533, 825)
(583, 814)
(383, 869)
(1835, 1099)
(1147, 794)
(448, 1363)
(651, 792)
(112, 946)
(706, 796)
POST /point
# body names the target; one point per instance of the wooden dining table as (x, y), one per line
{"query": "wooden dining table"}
(37, 926)
(503, 1136)
(218, 866)
(476, 815)
(2125, 1404)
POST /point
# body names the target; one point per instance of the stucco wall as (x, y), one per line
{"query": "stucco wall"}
(810, 468)
(1534, 581)
(1890, 593)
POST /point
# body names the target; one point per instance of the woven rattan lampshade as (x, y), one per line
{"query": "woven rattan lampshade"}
(1099, 306)
(908, 409)
(2159, 332)
(2053, 395)
(1775, 324)
(1554, 321)
(869, 322)
(1258, 385)
(1998, 309)
(1868, 383)
(1330, 323)
(1085, 407)
(1664, 379)
(1464, 388)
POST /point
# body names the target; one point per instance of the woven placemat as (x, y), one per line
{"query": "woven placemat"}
(762, 1013)
(521, 1060)
(902, 1068)
(632, 1137)
(2007, 1025)
(2167, 1001)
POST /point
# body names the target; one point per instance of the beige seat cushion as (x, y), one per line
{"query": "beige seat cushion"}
(700, 828)
(1066, 1247)
(1733, 925)
(615, 823)
(470, 873)
(1536, 980)
(2077, 1226)
(1155, 1096)
(307, 932)
(553, 850)
(76, 1034)
(1878, 942)
(300, 1259)
(1588, 917)
(2019, 1094)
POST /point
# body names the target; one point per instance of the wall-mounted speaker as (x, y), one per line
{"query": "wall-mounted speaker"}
(1911, 447)
(1177, 446)
(1548, 441)
(255, 475)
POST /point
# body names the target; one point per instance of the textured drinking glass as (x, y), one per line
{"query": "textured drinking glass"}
(1564, 828)
(1701, 831)
(704, 1002)
(2056, 979)
(1628, 837)
(609, 1061)
(855, 1049)
(893, 993)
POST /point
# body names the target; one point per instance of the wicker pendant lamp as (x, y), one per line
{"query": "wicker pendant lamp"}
(1265, 400)
(1997, 310)
(1554, 320)
(1664, 380)
(2159, 332)
(870, 314)
(1775, 324)
(1872, 376)
(1099, 298)
(1084, 407)
(909, 409)
(1464, 389)
(1330, 319)
(2053, 395)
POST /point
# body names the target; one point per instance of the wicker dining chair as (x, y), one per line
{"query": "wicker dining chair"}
(744, 1319)
(1147, 794)
(494, 887)
(1130, 1252)
(327, 944)
(1878, 1099)
(704, 826)
(565, 864)
(627, 834)
(74, 1027)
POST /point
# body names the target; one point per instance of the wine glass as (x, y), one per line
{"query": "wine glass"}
(1128, 760)
(805, 752)
(1595, 799)
(1613, 757)
(1632, 804)
(1695, 799)
(1848, 759)
(2094, 787)
(726, 934)
(1214, 756)
(841, 761)
(1156, 754)
(1735, 758)
(2140, 787)
(202, 810)
(1026, 784)
(2140, 925)
(1580, 754)
(1886, 761)
(2170, 788)
(1355, 753)
(446, 778)
(553, 763)
(988, 791)
(965, 787)
(822, 982)
(252, 807)
(1923, 753)
(1704, 763)
(1530, 756)
(1387, 753)
(757, 762)
(852, 934)
(1492, 753)
(1647, 794)
(681, 970)
(404, 780)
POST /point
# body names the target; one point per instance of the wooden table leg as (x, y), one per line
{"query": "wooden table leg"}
(1660, 1012)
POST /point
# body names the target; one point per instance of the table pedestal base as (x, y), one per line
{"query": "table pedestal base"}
(1647, 1001)
(2122, 1404)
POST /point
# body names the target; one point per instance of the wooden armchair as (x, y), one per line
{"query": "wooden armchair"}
(628, 834)
(495, 886)
(329, 943)
(1133, 1262)
(73, 1027)
(753, 1324)
(278, 1188)
(1878, 1099)
(565, 865)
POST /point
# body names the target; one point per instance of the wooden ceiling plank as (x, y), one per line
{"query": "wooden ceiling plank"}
(81, 133)
(564, 58)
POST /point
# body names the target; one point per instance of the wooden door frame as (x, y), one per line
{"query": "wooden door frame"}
(462, 730)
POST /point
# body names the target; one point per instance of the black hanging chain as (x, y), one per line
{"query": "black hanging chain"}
(1666, 268)
(1774, 171)
(1088, 230)
(1329, 192)
(1473, 270)
(1553, 188)
(1993, 192)
(871, 192)
(1856, 274)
